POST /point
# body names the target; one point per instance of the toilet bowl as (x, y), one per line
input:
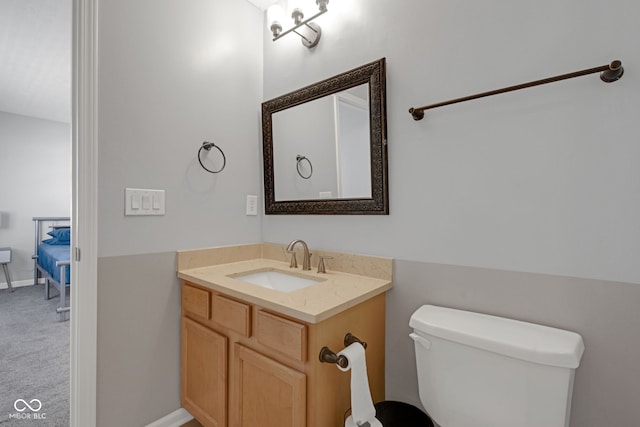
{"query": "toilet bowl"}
(476, 370)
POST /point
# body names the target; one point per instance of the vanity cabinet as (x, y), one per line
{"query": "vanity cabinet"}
(244, 365)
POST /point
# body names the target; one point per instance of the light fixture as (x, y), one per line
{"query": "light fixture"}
(308, 31)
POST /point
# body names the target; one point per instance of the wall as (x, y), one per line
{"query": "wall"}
(138, 339)
(35, 180)
(171, 75)
(544, 175)
(523, 204)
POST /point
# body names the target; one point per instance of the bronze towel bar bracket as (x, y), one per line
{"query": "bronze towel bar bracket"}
(608, 73)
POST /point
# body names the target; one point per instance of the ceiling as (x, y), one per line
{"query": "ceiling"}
(35, 69)
(35, 57)
(262, 4)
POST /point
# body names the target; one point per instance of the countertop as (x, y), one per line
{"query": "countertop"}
(336, 292)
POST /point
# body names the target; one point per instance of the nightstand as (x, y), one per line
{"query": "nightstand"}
(5, 258)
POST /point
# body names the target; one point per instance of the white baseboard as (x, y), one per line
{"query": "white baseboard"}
(174, 419)
(19, 283)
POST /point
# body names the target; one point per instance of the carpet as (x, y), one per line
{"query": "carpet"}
(34, 360)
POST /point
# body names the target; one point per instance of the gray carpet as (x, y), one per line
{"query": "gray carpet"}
(34, 359)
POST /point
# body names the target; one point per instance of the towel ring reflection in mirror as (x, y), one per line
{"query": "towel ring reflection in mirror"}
(208, 146)
(299, 159)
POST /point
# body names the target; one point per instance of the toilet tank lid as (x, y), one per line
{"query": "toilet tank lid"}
(521, 340)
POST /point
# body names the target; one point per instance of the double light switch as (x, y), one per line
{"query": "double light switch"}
(143, 202)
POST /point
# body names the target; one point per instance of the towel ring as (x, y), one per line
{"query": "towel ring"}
(300, 158)
(207, 146)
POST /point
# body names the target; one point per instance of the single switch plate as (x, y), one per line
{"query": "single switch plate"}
(140, 201)
(252, 205)
(5, 255)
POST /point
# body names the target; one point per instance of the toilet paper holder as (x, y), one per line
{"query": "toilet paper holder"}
(328, 356)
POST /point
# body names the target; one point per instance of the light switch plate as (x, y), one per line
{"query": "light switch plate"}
(5, 255)
(252, 205)
(139, 201)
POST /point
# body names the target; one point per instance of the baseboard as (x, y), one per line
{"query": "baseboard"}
(19, 283)
(174, 419)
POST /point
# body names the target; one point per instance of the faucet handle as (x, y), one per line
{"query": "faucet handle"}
(321, 267)
(294, 261)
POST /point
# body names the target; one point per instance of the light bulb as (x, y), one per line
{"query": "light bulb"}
(322, 4)
(295, 6)
(275, 17)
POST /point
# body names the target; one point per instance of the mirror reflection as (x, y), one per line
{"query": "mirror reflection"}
(327, 157)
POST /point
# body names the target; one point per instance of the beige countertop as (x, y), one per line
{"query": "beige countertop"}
(335, 292)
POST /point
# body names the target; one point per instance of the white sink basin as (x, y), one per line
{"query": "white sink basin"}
(277, 280)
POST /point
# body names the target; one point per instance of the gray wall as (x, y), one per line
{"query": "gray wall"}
(35, 180)
(138, 339)
(523, 205)
(171, 75)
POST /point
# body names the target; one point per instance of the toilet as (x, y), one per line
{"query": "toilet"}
(476, 370)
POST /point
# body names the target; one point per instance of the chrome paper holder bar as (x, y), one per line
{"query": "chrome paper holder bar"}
(328, 356)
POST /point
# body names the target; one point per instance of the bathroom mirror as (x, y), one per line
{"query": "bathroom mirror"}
(325, 146)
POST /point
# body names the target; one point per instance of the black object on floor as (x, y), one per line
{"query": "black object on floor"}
(400, 414)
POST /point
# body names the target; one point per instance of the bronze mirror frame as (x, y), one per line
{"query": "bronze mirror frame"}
(373, 74)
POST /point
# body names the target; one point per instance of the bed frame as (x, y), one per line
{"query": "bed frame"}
(41, 226)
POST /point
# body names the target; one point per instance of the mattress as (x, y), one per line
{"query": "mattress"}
(48, 255)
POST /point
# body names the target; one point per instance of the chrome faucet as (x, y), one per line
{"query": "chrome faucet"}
(306, 262)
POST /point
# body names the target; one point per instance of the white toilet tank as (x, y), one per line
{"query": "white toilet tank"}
(476, 370)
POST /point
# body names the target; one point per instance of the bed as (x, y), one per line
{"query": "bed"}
(52, 254)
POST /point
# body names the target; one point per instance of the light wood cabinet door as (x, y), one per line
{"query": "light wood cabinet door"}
(204, 374)
(267, 393)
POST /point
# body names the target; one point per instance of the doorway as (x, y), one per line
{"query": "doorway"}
(36, 175)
